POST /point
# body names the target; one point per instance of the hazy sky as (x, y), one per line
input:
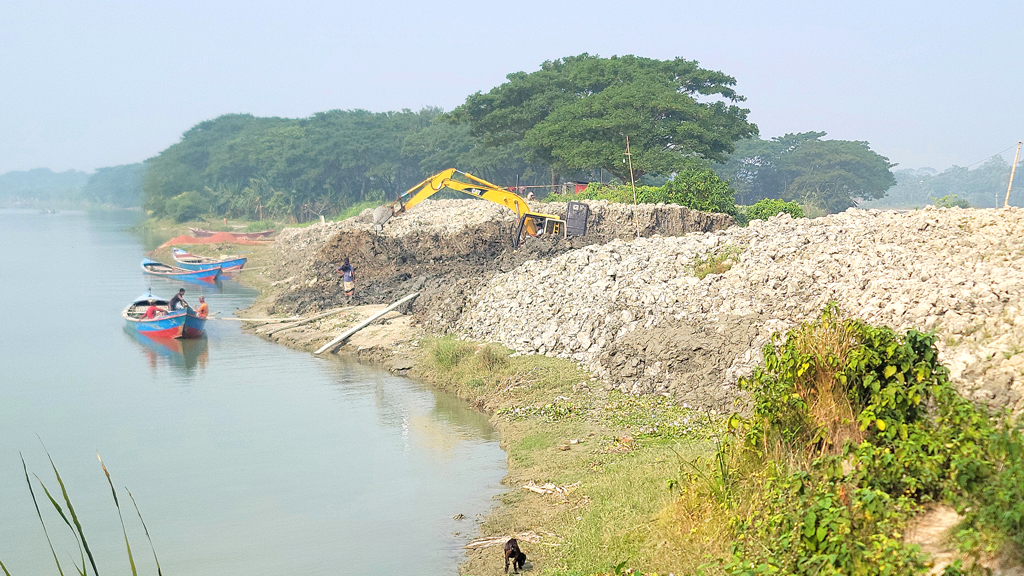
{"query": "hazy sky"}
(100, 83)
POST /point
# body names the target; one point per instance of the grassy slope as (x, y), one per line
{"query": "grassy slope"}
(629, 449)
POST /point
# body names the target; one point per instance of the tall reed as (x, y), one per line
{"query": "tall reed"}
(70, 518)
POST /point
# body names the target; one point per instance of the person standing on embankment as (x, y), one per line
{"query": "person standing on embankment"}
(348, 278)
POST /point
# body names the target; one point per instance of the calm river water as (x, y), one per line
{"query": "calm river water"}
(245, 457)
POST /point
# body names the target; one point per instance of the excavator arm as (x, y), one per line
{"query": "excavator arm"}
(530, 223)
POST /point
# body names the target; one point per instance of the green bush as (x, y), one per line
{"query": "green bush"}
(768, 207)
(622, 194)
(186, 206)
(951, 201)
(855, 427)
(699, 190)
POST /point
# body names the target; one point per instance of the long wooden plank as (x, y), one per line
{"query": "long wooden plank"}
(307, 320)
(333, 343)
(264, 320)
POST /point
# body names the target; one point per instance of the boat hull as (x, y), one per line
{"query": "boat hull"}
(178, 324)
(227, 265)
(200, 233)
(205, 276)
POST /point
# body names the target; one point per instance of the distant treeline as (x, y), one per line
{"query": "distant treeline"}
(982, 187)
(242, 166)
(567, 121)
(116, 186)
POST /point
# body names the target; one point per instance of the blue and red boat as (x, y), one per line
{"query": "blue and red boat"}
(160, 269)
(164, 323)
(190, 261)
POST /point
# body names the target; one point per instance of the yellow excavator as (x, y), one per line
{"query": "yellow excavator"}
(529, 223)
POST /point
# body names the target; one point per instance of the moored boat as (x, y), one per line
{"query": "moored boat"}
(181, 323)
(191, 261)
(200, 233)
(160, 269)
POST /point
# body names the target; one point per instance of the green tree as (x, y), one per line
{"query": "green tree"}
(768, 207)
(288, 168)
(446, 145)
(575, 113)
(700, 189)
(830, 174)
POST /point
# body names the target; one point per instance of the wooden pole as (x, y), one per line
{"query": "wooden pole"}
(307, 320)
(636, 221)
(1013, 169)
(333, 343)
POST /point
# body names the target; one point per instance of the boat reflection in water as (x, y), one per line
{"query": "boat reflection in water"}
(180, 354)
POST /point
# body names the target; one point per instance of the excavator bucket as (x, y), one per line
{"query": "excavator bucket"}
(382, 214)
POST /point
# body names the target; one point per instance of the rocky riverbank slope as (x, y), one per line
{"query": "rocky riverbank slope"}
(637, 314)
(684, 310)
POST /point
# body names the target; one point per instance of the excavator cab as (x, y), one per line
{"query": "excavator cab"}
(535, 225)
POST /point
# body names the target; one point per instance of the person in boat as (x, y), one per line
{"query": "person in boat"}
(203, 309)
(178, 300)
(348, 277)
(152, 312)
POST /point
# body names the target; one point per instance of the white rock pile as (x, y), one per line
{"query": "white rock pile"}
(958, 272)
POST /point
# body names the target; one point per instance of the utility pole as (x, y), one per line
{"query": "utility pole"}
(632, 183)
(1013, 170)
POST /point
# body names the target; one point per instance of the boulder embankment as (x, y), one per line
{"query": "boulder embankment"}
(684, 309)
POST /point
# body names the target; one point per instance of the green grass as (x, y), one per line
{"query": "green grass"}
(617, 454)
(261, 225)
(448, 351)
(356, 209)
(715, 262)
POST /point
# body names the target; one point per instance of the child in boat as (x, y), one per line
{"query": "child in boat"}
(152, 312)
(203, 309)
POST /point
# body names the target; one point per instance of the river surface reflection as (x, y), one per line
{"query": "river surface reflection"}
(245, 457)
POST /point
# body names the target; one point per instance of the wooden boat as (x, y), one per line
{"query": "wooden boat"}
(190, 261)
(181, 323)
(177, 353)
(175, 273)
(200, 233)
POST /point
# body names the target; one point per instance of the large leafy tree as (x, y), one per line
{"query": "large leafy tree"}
(830, 174)
(446, 145)
(575, 113)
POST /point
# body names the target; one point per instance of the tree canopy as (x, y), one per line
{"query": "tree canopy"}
(575, 113)
(830, 174)
(243, 166)
(568, 119)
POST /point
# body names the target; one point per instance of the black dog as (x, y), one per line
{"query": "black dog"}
(513, 553)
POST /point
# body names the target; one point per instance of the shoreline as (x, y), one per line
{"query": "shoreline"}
(591, 438)
(548, 459)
